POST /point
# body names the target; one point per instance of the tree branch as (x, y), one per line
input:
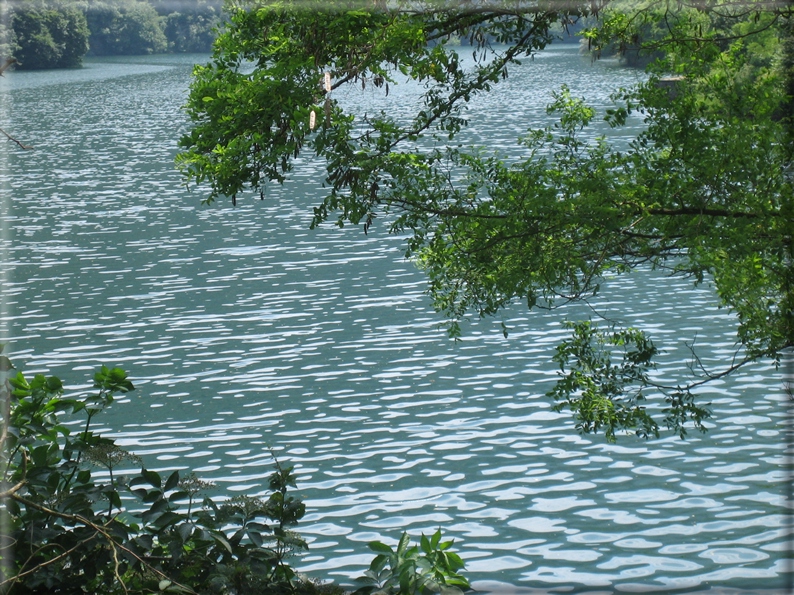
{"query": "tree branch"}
(11, 138)
(709, 376)
(41, 565)
(12, 490)
(685, 211)
(75, 518)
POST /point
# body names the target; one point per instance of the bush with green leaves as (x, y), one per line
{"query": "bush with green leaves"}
(67, 530)
(414, 569)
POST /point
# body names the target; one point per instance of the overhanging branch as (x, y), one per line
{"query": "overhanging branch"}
(689, 211)
(11, 138)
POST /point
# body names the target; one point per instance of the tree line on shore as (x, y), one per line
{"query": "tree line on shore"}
(45, 34)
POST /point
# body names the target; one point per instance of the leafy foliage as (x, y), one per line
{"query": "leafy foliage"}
(48, 35)
(704, 191)
(58, 33)
(250, 125)
(414, 570)
(607, 395)
(124, 28)
(192, 27)
(71, 531)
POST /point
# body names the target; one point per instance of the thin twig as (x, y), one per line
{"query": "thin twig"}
(11, 138)
(709, 378)
(38, 567)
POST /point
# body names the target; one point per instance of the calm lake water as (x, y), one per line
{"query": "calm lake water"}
(244, 331)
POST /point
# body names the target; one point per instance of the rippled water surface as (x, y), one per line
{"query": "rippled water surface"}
(244, 331)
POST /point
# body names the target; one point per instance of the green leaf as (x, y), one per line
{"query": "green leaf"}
(171, 482)
(402, 546)
(166, 519)
(152, 478)
(405, 581)
(112, 380)
(377, 546)
(256, 538)
(185, 530)
(378, 564)
(222, 540)
(178, 495)
(40, 455)
(424, 543)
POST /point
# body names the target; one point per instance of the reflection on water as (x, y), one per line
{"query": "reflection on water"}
(245, 332)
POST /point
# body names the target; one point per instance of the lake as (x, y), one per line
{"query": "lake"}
(245, 333)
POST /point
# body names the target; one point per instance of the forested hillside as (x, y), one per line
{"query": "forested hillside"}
(46, 34)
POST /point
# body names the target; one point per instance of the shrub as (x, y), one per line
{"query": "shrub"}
(68, 531)
(414, 570)
(137, 531)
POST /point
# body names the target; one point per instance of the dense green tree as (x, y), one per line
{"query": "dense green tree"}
(36, 47)
(7, 38)
(702, 191)
(69, 29)
(57, 34)
(191, 31)
(48, 35)
(125, 27)
(190, 26)
(101, 18)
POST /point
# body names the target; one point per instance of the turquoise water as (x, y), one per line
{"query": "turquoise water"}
(244, 331)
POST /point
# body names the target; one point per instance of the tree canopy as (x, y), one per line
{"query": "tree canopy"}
(704, 190)
(43, 34)
(47, 35)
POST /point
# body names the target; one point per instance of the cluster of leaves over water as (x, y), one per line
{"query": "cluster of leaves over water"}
(605, 390)
(704, 191)
(66, 529)
(414, 569)
(251, 107)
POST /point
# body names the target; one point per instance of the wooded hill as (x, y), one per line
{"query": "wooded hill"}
(58, 34)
